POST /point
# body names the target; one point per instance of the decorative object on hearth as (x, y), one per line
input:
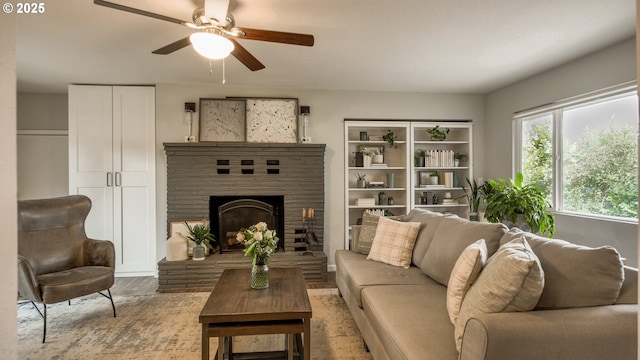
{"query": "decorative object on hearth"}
(309, 224)
(217, 33)
(189, 109)
(177, 247)
(259, 243)
(305, 113)
(201, 235)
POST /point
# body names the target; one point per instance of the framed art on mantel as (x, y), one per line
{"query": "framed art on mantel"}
(272, 120)
(222, 120)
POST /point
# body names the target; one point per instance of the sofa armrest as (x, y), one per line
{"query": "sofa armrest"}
(99, 253)
(28, 286)
(600, 332)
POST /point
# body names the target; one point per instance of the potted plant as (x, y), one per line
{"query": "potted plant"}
(433, 178)
(438, 134)
(201, 235)
(390, 139)
(363, 157)
(378, 156)
(419, 158)
(459, 158)
(473, 194)
(361, 180)
(512, 201)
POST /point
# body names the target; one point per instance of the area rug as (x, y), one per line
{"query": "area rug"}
(165, 326)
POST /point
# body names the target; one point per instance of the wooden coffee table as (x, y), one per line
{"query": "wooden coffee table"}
(235, 309)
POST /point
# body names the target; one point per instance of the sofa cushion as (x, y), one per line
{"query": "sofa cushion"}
(575, 275)
(411, 321)
(393, 242)
(464, 273)
(511, 281)
(451, 238)
(368, 231)
(430, 221)
(359, 273)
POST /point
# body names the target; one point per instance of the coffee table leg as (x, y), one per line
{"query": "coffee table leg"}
(220, 348)
(307, 339)
(205, 342)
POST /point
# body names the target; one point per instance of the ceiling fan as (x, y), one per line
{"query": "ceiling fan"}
(216, 38)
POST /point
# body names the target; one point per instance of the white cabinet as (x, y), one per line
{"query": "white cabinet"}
(112, 161)
(411, 186)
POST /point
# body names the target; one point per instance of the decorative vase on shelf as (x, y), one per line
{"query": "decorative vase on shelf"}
(260, 274)
(366, 160)
(377, 159)
(198, 252)
(177, 247)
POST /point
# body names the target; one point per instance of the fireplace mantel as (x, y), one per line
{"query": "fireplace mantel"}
(196, 171)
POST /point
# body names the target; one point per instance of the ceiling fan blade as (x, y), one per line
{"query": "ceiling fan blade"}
(174, 46)
(276, 36)
(139, 12)
(245, 57)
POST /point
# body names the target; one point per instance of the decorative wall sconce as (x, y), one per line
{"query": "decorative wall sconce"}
(189, 109)
(305, 112)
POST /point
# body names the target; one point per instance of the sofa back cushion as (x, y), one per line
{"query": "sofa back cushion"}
(575, 276)
(451, 237)
(430, 221)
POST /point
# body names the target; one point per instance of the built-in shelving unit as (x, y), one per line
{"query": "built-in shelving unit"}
(410, 185)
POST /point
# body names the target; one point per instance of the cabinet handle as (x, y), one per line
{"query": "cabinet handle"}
(118, 179)
(109, 179)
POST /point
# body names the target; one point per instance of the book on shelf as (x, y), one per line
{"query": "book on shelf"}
(449, 201)
(379, 165)
(439, 186)
(447, 178)
(366, 202)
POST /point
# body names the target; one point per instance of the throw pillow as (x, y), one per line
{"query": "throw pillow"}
(465, 272)
(511, 281)
(393, 242)
(575, 275)
(368, 231)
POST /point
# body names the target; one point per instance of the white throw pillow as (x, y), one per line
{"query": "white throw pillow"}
(512, 280)
(465, 272)
(393, 242)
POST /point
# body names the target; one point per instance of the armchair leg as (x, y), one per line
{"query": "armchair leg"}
(44, 317)
(110, 297)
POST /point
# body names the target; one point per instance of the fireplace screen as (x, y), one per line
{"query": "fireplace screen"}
(229, 214)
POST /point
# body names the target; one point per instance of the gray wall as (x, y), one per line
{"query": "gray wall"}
(608, 67)
(9, 243)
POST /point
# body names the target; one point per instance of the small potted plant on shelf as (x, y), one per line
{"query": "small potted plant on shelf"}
(361, 180)
(378, 156)
(433, 178)
(419, 158)
(390, 139)
(516, 204)
(201, 235)
(438, 134)
(459, 158)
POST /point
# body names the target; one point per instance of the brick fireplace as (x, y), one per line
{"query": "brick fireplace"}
(196, 171)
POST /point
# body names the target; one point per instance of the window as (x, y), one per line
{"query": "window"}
(583, 153)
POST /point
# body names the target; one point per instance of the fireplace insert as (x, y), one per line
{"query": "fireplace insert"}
(230, 214)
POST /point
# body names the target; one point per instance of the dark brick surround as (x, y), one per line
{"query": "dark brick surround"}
(197, 170)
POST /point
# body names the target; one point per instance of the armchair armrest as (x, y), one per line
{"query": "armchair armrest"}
(99, 253)
(28, 286)
(600, 332)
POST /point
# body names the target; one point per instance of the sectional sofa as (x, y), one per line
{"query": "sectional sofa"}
(552, 299)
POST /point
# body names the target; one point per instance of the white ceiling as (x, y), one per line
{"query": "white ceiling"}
(459, 46)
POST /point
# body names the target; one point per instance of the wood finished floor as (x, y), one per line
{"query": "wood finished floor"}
(146, 285)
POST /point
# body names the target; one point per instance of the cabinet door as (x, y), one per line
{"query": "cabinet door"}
(90, 156)
(134, 168)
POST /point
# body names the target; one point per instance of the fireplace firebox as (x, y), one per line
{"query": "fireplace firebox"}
(229, 214)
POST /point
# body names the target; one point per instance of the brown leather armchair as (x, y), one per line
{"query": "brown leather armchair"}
(56, 260)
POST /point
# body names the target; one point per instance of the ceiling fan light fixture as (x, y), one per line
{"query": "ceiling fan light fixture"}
(211, 45)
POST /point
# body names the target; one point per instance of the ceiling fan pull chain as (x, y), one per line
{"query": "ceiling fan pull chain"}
(210, 68)
(224, 80)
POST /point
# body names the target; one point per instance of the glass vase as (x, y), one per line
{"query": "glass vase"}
(260, 276)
